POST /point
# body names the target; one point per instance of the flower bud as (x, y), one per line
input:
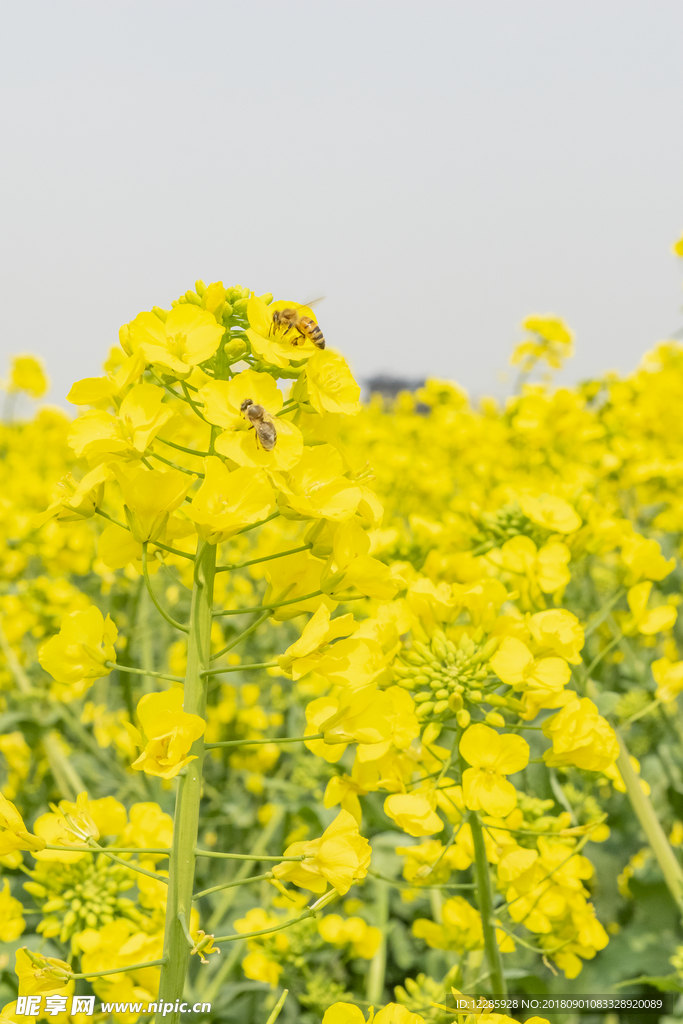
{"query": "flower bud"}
(425, 710)
(442, 694)
(235, 349)
(495, 718)
(193, 297)
(455, 702)
(431, 733)
(463, 718)
(440, 707)
(475, 696)
(422, 698)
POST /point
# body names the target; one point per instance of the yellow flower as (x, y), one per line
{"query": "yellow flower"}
(492, 757)
(316, 489)
(560, 631)
(542, 680)
(28, 374)
(12, 922)
(643, 621)
(78, 653)
(581, 737)
(363, 938)
(73, 824)
(354, 663)
(150, 495)
(677, 247)
(77, 501)
(227, 501)
(644, 560)
(189, 336)
(317, 634)
(356, 715)
(553, 513)
(395, 1013)
(223, 402)
(341, 857)
(258, 967)
(346, 1013)
(669, 678)
(13, 832)
(39, 973)
(545, 569)
(170, 733)
(553, 343)
(291, 577)
(414, 812)
(328, 384)
(350, 566)
(275, 344)
(99, 436)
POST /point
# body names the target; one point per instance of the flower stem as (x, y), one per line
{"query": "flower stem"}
(278, 1006)
(649, 822)
(268, 739)
(374, 989)
(162, 611)
(186, 823)
(485, 901)
(231, 885)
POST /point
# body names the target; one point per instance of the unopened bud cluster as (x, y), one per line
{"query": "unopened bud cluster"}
(444, 675)
(78, 896)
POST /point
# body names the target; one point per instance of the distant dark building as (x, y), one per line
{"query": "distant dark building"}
(387, 386)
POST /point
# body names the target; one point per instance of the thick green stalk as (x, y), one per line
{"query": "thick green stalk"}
(186, 823)
(374, 988)
(656, 837)
(485, 901)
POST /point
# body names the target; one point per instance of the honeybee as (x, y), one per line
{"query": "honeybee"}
(261, 422)
(304, 325)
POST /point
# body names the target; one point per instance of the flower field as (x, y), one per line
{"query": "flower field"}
(312, 709)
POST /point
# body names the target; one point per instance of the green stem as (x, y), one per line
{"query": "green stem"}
(126, 864)
(278, 1006)
(174, 465)
(374, 988)
(231, 885)
(239, 668)
(244, 856)
(120, 970)
(656, 837)
(242, 636)
(271, 739)
(162, 611)
(267, 607)
(180, 448)
(142, 672)
(265, 931)
(485, 901)
(266, 558)
(186, 823)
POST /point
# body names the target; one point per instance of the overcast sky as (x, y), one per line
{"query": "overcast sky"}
(439, 170)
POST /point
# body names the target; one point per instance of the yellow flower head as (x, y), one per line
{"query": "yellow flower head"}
(492, 757)
(79, 652)
(170, 733)
(669, 678)
(100, 436)
(647, 622)
(581, 737)
(560, 631)
(318, 632)
(316, 489)
(27, 373)
(329, 384)
(77, 501)
(224, 404)
(552, 513)
(341, 857)
(227, 501)
(13, 832)
(277, 344)
(150, 495)
(38, 973)
(414, 812)
(188, 337)
(644, 560)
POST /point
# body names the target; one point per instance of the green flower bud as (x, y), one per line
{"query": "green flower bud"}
(440, 707)
(235, 348)
(475, 696)
(495, 718)
(421, 698)
(441, 694)
(200, 288)
(425, 710)
(463, 718)
(455, 702)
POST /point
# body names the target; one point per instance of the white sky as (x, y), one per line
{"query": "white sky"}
(439, 170)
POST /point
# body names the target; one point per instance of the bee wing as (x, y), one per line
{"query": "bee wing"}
(312, 303)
